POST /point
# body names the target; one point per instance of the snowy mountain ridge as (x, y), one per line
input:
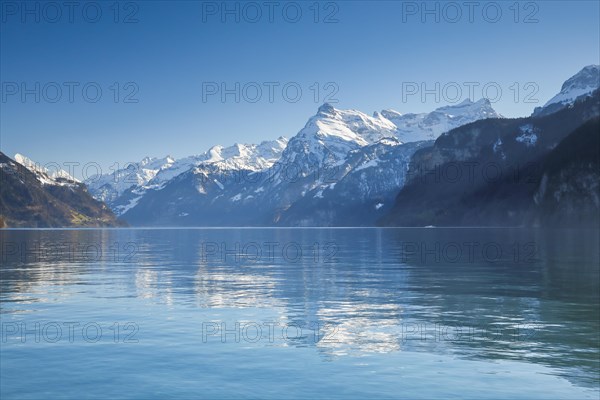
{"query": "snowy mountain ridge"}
(343, 166)
(320, 148)
(59, 177)
(340, 155)
(581, 84)
(153, 173)
(429, 126)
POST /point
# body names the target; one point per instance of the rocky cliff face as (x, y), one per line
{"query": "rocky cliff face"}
(569, 189)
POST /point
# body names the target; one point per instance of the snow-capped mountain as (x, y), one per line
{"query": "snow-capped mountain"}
(122, 189)
(358, 191)
(253, 157)
(327, 138)
(58, 177)
(210, 196)
(109, 187)
(429, 126)
(331, 134)
(340, 160)
(580, 85)
(343, 167)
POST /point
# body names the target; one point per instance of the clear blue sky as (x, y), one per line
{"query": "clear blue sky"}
(372, 50)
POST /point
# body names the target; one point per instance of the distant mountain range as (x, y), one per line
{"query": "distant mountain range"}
(343, 162)
(346, 168)
(124, 188)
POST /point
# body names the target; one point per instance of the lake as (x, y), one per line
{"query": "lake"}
(300, 313)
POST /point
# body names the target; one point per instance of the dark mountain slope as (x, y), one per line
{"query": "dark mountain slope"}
(26, 202)
(496, 173)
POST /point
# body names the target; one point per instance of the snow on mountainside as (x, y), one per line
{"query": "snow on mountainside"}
(253, 157)
(343, 167)
(583, 83)
(280, 173)
(57, 177)
(123, 188)
(358, 191)
(329, 135)
(580, 85)
(109, 187)
(428, 126)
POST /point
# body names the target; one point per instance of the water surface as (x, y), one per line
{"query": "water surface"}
(299, 313)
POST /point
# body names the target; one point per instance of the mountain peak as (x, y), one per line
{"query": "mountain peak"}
(390, 114)
(326, 109)
(465, 102)
(581, 84)
(589, 76)
(44, 175)
(281, 141)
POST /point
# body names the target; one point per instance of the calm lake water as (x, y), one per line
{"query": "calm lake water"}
(299, 313)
